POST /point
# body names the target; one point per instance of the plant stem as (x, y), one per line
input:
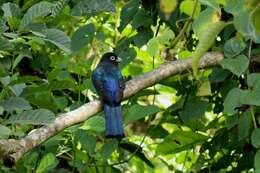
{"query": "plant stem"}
(253, 117)
(180, 35)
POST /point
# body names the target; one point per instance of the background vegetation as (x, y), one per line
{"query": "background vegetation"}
(205, 121)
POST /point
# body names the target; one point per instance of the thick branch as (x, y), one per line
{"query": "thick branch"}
(12, 149)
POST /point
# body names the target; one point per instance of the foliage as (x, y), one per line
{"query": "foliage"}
(204, 123)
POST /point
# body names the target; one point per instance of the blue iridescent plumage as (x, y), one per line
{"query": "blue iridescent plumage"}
(109, 84)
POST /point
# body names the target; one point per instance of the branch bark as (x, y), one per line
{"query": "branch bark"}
(12, 150)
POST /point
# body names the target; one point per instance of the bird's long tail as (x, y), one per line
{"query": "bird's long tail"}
(114, 124)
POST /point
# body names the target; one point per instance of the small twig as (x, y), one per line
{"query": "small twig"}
(253, 116)
(185, 27)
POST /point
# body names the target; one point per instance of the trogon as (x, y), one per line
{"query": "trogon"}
(109, 84)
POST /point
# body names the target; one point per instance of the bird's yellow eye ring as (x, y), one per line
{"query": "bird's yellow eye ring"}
(112, 58)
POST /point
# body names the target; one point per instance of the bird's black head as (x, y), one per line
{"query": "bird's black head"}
(111, 57)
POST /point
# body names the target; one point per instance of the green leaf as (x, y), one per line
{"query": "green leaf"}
(166, 36)
(137, 112)
(3, 26)
(153, 46)
(58, 7)
(167, 7)
(205, 19)
(82, 37)
(37, 116)
(108, 148)
(245, 18)
(57, 37)
(204, 89)
(87, 141)
(186, 7)
(244, 124)
(17, 89)
(96, 123)
(5, 44)
(47, 163)
(61, 102)
(4, 132)
(142, 37)
(127, 55)
(127, 14)
(178, 141)
(15, 103)
(212, 3)
(52, 86)
(205, 42)
(11, 10)
(232, 101)
(25, 79)
(255, 138)
(140, 19)
(251, 97)
(194, 108)
(257, 160)
(253, 80)
(233, 47)
(40, 9)
(93, 7)
(219, 75)
(237, 65)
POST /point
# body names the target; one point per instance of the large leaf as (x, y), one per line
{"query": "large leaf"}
(257, 161)
(4, 131)
(5, 44)
(93, 7)
(58, 7)
(11, 10)
(153, 46)
(246, 17)
(187, 8)
(255, 138)
(83, 36)
(87, 141)
(37, 116)
(108, 148)
(57, 37)
(206, 18)
(178, 141)
(167, 7)
(15, 103)
(38, 10)
(52, 86)
(48, 162)
(232, 101)
(194, 109)
(137, 112)
(253, 80)
(206, 40)
(127, 14)
(244, 124)
(233, 47)
(96, 123)
(237, 65)
(141, 19)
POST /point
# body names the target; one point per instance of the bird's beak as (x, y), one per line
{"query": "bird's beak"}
(118, 60)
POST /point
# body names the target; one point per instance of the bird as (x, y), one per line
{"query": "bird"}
(109, 83)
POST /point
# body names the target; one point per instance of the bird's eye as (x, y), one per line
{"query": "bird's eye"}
(112, 58)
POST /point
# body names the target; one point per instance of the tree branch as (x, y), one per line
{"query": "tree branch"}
(11, 149)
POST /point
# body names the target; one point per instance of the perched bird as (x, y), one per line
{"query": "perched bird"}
(109, 84)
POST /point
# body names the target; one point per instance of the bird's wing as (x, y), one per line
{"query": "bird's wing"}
(97, 79)
(109, 85)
